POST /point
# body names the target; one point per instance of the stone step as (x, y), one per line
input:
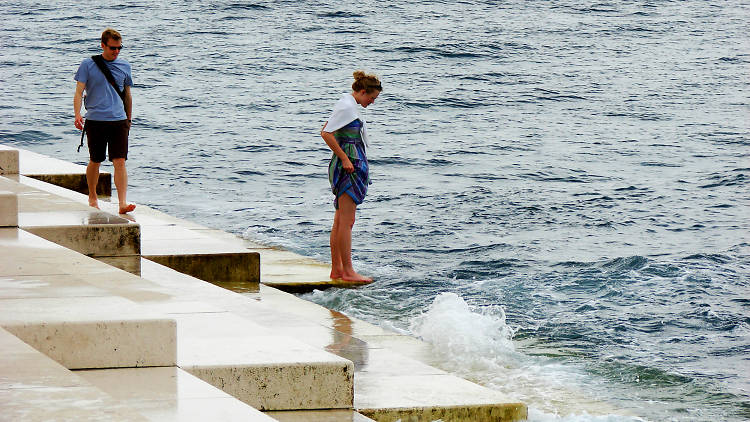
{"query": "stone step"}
(8, 209)
(263, 369)
(101, 235)
(171, 395)
(329, 415)
(33, 387)
(61, 173)
(8, 160)
(102, 319)
(177, 242)
(390, 382)
(85, 329)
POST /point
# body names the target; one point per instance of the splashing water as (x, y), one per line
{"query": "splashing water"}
(479, 345)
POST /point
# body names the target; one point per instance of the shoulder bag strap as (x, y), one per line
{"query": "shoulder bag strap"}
(99, 60)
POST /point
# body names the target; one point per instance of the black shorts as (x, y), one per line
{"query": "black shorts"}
(104, 135)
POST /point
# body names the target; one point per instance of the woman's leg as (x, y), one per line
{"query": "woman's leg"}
(336, 268)
(341, 241)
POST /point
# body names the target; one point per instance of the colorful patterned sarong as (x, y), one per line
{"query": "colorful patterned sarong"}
(353, 184)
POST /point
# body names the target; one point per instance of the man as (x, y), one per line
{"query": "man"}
(108, 115)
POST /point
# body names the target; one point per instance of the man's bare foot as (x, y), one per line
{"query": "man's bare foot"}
(335, 276)
(94, 203)
(127, 208)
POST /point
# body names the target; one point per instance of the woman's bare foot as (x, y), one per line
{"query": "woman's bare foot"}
(356, 277)
(94, 203)
(127, 208)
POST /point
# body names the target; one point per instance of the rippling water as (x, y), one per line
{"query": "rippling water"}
(560, 192)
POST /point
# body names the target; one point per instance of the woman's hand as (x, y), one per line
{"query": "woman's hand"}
(347, 165)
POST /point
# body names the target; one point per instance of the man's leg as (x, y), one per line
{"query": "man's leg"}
(121, 184)
(92, 179)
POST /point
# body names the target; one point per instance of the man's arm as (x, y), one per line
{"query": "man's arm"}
(77, 103)
(128, 102)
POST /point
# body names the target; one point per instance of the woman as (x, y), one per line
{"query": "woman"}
(346, 135)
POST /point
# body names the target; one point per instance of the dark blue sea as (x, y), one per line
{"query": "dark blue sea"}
(561, 188)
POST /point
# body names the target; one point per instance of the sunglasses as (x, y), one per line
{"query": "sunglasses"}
(119, 47)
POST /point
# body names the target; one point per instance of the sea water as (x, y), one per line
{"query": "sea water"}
(560, 188)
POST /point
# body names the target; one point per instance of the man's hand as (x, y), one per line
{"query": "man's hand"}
(79, 122)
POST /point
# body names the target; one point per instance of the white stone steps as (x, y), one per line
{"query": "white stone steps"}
(61, 173)
(86, 329)
(86, 314)
(224, 335)
(107, 237)
(388, 383)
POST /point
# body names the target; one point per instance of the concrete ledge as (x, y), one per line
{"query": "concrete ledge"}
(171, 394)
(116, 244)
(264, 370)
(430, 397)
(93, 240)
(35, 388)
(219, 267)
(92, 332)
(129, 263)
(102, 344)
(331, 415)
(8, 160)
(76, 182)
(74, 225)
(475, 414)
(8, 209)
(283, 386)
(61, 173)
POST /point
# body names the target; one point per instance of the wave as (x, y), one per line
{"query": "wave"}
(27, 137)
(479, 345)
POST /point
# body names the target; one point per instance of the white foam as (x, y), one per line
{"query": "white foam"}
(477, 345)
(536, 415)
(456, 331)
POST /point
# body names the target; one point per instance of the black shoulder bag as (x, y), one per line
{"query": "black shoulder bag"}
(99, 60)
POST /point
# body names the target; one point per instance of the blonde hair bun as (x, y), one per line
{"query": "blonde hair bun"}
(365, 81)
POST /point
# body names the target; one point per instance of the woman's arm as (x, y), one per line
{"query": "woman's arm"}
(334, 146)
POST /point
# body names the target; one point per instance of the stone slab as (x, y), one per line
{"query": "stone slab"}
(93, 240)
(171, 395)
(129, 263)
(431, 397)
(92, 332)
(241, 267)
(25, 254)
(74, 225)
(8, 209)
(165, 236)
(8, 160)
(334, 415)
(76, 182)
(261, 368)
(61, 173)
(33, 388)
